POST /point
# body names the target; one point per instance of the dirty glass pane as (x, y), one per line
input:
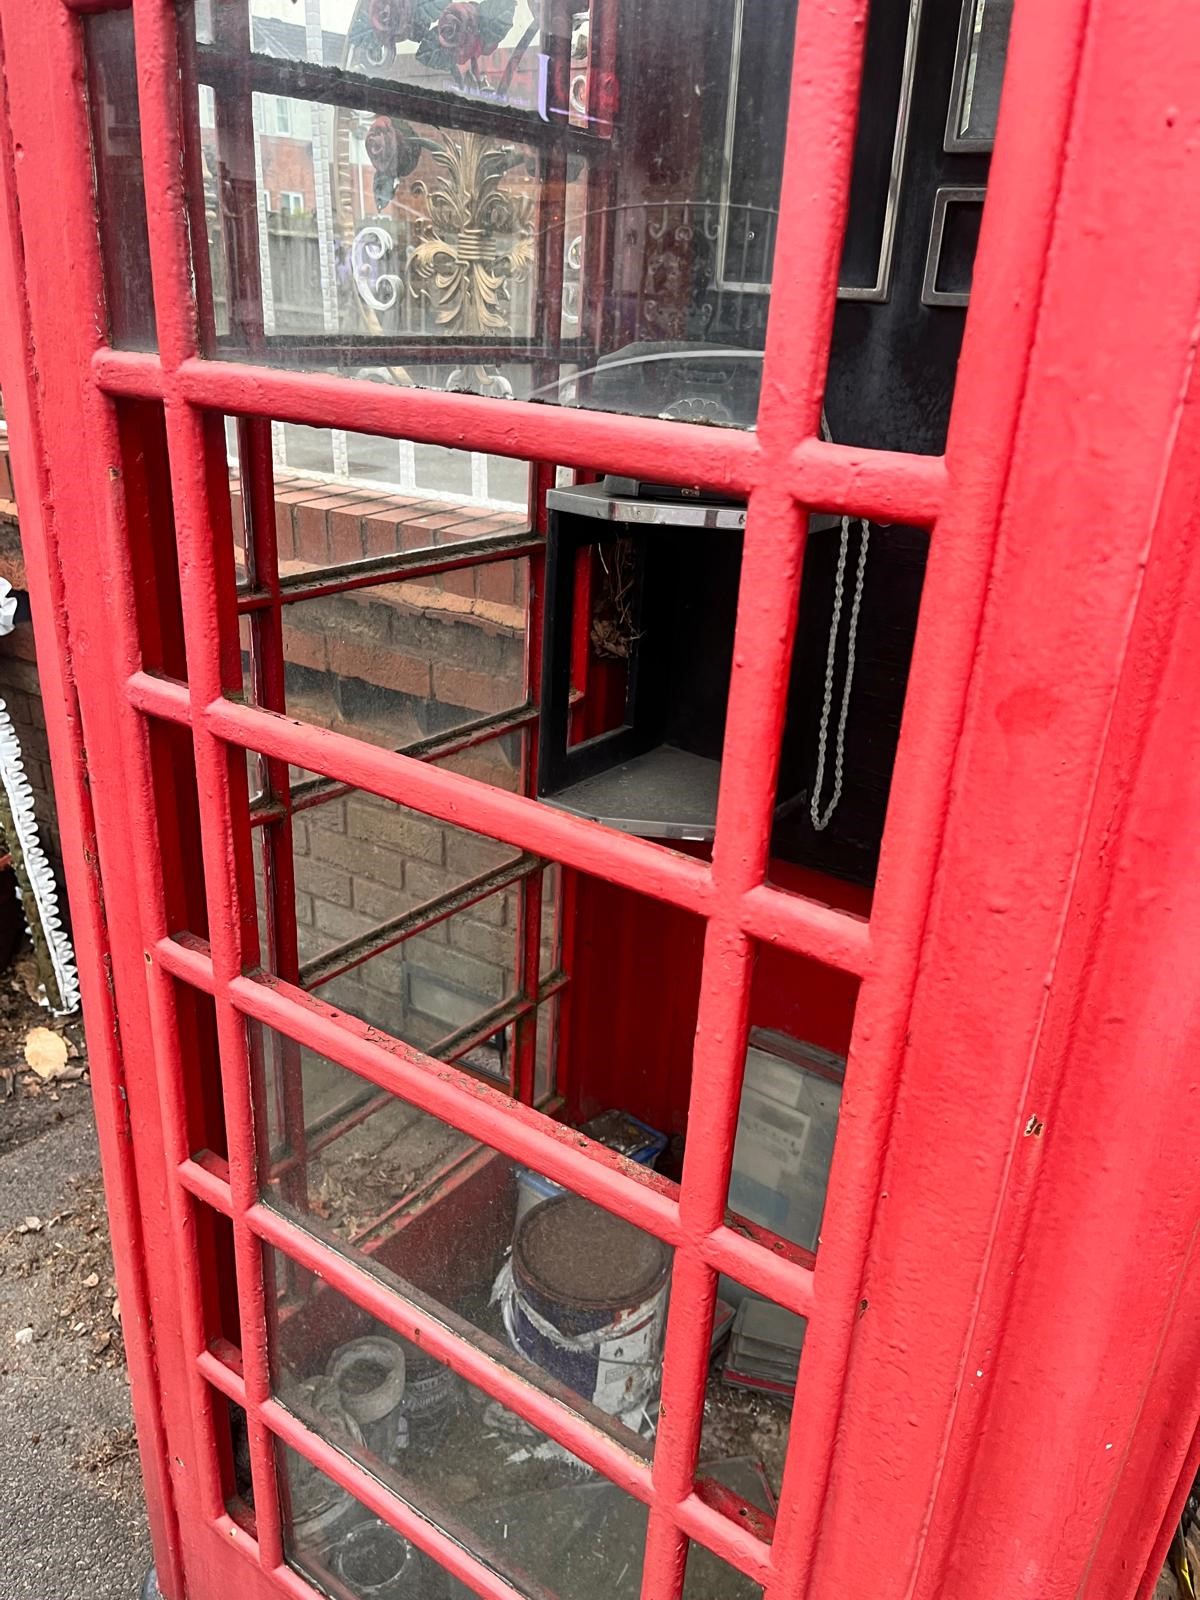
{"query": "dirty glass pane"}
(523, 1504)
(546, 1058)
(787, 1125)
(470, 1465)
(394, 663)
(708, 1575)
(577, 1295)
(409, 923)
(518, 200)
(359, 861)
(484, 52)
(403, 481)
(440, 987)
(749, 1395)
(341, 497)
(444, 212)
(121, 194)
(333, 1539)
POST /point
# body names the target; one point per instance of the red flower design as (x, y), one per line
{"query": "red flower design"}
(383, 146)
(458, 30)
(390, 19)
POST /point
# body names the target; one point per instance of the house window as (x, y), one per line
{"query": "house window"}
(291, 202)
(283, 115)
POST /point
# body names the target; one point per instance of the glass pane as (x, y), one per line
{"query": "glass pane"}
(642, 614)
(499, 762)
(749, 1395)
(394, 482)
(546, 1060)
(481, 195)
(397, 662)
(441, 987)
(522, 1504)
(577, 1295)
(121, 193)
(709, 1576)
(551, 952)
(856, 622)
(451, 221)
(787, 1124)
(480, 51)
(360, 861)
(330, 1536)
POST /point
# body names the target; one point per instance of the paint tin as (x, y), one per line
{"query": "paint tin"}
(370, 1374)
(320, 1508)
(431, 1397)
(588, 1301)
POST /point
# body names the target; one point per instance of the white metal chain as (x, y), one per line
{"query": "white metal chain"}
(821, 818)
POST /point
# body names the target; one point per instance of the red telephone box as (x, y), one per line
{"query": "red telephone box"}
(627, 764)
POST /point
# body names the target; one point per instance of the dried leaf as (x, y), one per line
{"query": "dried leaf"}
(30, 979)
(116, 1311)
(45, 1052)
(92, 1279)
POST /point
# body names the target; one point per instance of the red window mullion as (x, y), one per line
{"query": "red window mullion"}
(528, 953)
(232, 933)
(483, 1113)
(806, 927)
(514, 819)
(888, 486)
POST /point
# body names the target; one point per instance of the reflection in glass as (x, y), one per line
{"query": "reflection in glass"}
(120, 183)
(501, 196)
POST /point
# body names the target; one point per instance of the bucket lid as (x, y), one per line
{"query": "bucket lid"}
(580, 1255)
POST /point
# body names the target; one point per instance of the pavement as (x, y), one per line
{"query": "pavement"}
(73, 1525)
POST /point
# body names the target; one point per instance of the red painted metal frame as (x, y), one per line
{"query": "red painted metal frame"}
(1040, 839)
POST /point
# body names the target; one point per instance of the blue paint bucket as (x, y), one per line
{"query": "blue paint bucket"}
(588, 1302)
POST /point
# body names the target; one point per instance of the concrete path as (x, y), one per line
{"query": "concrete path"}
(73, 1525)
